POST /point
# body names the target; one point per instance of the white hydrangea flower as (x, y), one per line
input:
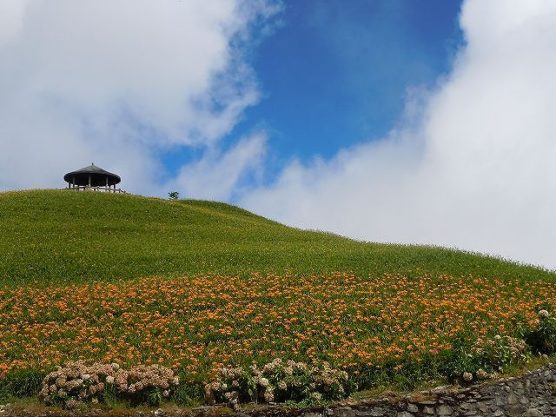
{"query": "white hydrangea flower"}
(269, 396)
(544, 314)
(317, 396)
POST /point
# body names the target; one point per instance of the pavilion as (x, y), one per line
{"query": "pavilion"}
(93, 178)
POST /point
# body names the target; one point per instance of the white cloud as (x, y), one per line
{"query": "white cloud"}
(118, 82)
(218, 175)
(478, 172)
(11, 18)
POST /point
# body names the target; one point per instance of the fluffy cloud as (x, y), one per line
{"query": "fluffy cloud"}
(118, 82)
(476, 171)
(220, 175)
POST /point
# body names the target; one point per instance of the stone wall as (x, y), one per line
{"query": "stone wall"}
(532, 395)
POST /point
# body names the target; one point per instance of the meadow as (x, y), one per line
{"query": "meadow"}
(198, 285)
(61, 237)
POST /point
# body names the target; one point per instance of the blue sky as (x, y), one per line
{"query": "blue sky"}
(335, 73)
(295, 110)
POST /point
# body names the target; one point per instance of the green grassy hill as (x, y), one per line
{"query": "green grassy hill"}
(64, 237)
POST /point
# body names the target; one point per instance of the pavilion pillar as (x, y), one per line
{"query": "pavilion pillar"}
(89, 180)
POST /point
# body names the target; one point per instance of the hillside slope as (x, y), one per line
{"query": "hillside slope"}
(57, 236)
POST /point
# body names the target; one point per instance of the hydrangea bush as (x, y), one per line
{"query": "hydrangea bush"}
(279, 381)
(543, 338)
(470, 360)
(501, 351)
(78, 383)
(493, 355)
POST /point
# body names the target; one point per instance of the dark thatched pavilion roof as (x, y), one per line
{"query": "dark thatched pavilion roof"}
(93, 176)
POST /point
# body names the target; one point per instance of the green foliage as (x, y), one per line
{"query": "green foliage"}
(154, 397)
(21, 384)
(468, 355)
(543, 338)
(188, 394)
(173, 195)
(110, 396)
(67, 237)
(460, 358)
(499, 352)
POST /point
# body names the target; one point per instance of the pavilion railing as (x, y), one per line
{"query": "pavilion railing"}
(103, 189)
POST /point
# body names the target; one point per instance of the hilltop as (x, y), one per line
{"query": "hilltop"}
(57, 236)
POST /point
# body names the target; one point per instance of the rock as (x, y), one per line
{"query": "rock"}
(533, 412)
(428, 410)
(377, 412)
(467, 376)
(444, 410)
(512, 399)
(412, 408)
(467, 406)
(344, 412)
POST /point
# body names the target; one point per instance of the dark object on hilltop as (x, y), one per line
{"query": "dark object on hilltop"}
(173, 195)
(93, 178)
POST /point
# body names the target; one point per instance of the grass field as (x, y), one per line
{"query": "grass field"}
(62, 237)
(195, 285)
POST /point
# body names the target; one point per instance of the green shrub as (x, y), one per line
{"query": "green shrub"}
(542, 339)
(502, 351)
(188, 394)
(470, 359)
(20, 384)
(461, 358)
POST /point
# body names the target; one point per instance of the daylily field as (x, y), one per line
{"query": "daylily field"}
(198, 324)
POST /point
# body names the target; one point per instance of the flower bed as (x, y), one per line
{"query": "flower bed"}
(385, 330)
(77, 383)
